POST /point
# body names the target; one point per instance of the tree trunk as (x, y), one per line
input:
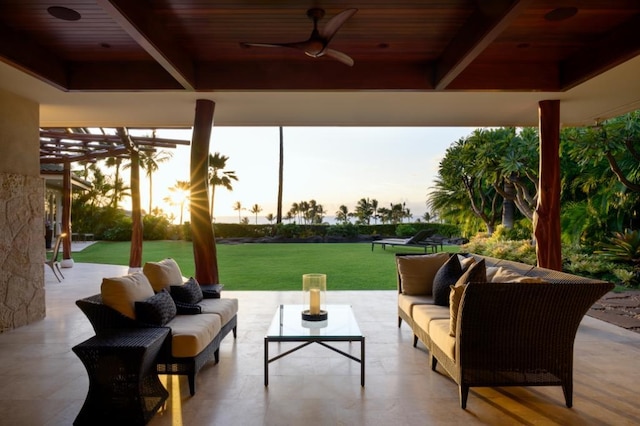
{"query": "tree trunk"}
(204, 244)
(280, 178)
(66, 210)
(135, 254)
(508, 206)
(546, 220)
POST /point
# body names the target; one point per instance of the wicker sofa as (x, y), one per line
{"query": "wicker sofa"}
(196, 329)
(518, 332)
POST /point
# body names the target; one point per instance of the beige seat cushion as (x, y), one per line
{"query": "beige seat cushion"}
(406, 303)
(163, 274)
(440, 337)
(424, 314)
(417, 272)
(121, 293)
(225, 308)
(190, 334)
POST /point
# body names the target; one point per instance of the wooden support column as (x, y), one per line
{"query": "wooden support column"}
(546, 219)
(204, 244)
(135, 253)
(66, 210)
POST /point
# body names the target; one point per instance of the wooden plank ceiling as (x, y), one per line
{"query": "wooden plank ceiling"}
(195, 45)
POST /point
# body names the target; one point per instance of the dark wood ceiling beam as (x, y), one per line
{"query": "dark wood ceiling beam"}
(19, 51)
(136, 19)
(118, 76)
(474, 37)
(312, 74)
(518, 76)
(609, 52)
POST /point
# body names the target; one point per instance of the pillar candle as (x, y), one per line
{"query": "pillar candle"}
(314, 301)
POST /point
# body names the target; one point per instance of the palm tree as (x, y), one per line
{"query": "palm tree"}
(280, 177)
(181, 189)
(218, 176)
(150, 162)
(374, 206)
(270, 217)
(294, 210)
(364, 211)
(238, 207)
(342, 215)
(118, 186)
(255, 209)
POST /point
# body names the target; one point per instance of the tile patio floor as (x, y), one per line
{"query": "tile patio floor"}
(44, 383)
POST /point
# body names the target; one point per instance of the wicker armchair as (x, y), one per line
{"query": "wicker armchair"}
(518, 334)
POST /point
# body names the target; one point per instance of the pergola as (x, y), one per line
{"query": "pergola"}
(421, 63)
(84, 145)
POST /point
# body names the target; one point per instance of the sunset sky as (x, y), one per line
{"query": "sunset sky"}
(332, 165)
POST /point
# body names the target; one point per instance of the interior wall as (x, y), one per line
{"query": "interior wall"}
(22, 248)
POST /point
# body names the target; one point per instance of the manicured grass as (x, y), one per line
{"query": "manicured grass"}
(349, 266)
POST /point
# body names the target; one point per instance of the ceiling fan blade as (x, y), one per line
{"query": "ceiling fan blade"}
(335, 23)
(339, 56)
(297, 45)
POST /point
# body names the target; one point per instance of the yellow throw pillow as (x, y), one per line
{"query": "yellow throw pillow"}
(454, 304)
(417, 272)
(477, 272)
(121, 293)
(163, 274)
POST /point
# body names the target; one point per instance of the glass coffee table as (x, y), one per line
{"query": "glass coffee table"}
(287, 326)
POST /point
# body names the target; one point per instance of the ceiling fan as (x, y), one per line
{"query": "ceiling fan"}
(317, 44)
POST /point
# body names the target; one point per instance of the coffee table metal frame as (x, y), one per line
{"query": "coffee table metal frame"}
(287, 326)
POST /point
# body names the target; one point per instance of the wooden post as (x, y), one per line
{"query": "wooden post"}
(546, 218)
(66, 210)
(204, 244)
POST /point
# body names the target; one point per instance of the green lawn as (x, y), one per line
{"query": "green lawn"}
(349, 266)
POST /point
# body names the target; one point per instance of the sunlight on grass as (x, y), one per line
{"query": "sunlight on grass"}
(349, 266)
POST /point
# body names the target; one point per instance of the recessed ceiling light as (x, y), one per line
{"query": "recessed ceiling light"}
(63, 13)
(561, 13)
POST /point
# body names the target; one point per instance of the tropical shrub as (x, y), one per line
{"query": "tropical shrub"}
(624, 248)
(348, 230)
(516, 250)
(405, 230)
(155, 227)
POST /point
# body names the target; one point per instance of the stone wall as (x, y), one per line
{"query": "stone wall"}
(22, 297)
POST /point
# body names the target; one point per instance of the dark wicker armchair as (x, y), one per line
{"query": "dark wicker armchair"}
(518, 334)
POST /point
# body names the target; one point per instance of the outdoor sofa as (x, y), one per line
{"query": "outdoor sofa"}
(489, 322)
(196, 316)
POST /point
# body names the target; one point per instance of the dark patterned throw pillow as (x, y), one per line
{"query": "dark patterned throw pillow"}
(158, 309)
(446, 276)
(189, 292)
